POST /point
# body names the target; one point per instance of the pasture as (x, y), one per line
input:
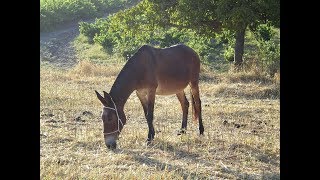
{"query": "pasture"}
(241, 117)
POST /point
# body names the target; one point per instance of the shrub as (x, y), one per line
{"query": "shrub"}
(269, 53)
(106, 41)
(229, 54)
(263, 50)
(264, 32)
(89, 30)
(56, 12)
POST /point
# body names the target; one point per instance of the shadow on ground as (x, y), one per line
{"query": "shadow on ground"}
(147, 158)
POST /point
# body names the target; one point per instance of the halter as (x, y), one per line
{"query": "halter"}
(119, 120)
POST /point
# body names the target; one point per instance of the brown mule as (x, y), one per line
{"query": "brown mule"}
(152, 71)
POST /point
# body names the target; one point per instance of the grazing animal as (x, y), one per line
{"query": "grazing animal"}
(150, 72)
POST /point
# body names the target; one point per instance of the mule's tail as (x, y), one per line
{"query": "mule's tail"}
(194, 118)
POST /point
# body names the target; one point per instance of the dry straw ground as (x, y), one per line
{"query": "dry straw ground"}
(241, 118)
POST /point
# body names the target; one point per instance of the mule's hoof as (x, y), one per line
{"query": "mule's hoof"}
(148, 142)
(181, 131)
(201, 129)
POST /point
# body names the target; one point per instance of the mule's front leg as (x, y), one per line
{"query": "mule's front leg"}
(151, 99)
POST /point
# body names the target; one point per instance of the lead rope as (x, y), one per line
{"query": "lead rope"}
(119, 120)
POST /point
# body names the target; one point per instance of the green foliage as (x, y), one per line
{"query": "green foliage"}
(168, 38)
(206, 26)
(225, 37)
(264, 32)
(110, 34)
(106, 41)
(209, 49)
(55, 12)
(263, 49)
(242, 13)
(92, 29)
(89, 30)
(269, 53)
(269, 48)
(229, 54)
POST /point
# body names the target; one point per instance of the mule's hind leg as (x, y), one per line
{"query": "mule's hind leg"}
(194, 116)
(197, 103)
(150, 109)
(185, 106)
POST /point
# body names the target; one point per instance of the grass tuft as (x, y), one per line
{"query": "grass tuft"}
(87, 69)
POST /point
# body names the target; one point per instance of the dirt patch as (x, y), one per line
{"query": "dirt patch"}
(56, 46)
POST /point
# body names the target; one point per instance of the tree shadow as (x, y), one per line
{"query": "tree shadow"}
(271, 176)
(243, 175)
(205, 77)
(259, 155)
(145, 158)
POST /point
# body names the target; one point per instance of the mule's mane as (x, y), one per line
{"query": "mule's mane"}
(131, 61)
(119, 90)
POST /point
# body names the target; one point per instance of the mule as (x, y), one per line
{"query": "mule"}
(150, 72)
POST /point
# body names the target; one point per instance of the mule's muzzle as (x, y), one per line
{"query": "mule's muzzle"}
(111, 143)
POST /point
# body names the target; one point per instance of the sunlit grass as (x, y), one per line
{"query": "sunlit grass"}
(241, 141)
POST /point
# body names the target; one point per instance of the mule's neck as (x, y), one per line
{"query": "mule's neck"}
(120, 94)
(124, 84)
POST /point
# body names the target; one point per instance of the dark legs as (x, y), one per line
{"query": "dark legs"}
(147, 100)
(143, 99)
(151, 98)
(197, 104)
(184, 105)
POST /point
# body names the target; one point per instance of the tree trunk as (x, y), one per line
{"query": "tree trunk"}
(239, 47)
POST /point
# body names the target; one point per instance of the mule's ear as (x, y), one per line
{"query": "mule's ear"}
(107, 97)
(102, 100)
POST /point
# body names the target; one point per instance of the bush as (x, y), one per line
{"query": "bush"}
(89, 30)
(168, 38)
(264, 32)
(263, 50)
(229, 54)
(56, 12)
(270, 56)
(106, 41)
(112, 36)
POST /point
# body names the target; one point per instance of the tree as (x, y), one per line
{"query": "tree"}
(237, 15)
(207, 17)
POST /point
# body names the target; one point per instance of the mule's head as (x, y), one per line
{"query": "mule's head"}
(111, 118)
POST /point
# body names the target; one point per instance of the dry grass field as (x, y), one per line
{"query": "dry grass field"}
(241, 116)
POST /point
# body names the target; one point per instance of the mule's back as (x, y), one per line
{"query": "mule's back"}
(174, 68)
